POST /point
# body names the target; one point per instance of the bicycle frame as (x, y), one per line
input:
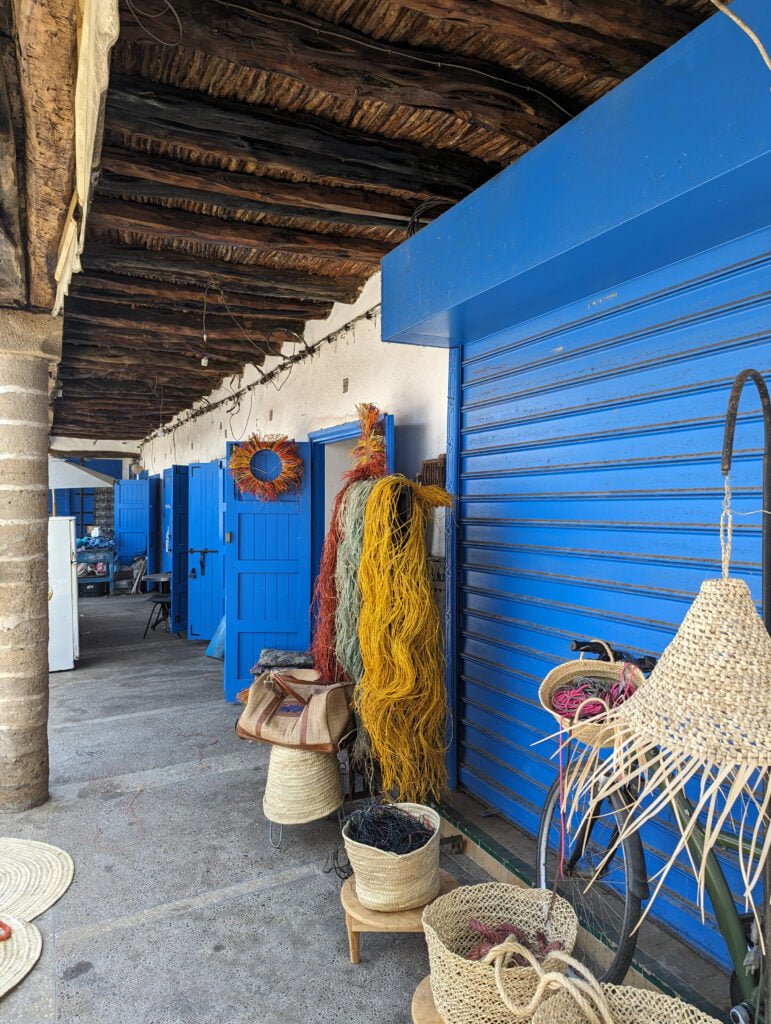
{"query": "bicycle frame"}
(728, 919)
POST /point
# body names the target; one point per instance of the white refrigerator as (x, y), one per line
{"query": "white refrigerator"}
(63, 632)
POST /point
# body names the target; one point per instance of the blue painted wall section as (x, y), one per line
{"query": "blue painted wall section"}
(268, 575)
(685, 141)
(599, 295)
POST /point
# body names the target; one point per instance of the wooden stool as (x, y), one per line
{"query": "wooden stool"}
(359, 918)
(423, 1008)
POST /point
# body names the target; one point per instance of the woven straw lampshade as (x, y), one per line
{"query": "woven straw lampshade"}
(704, 713)
(302, 786)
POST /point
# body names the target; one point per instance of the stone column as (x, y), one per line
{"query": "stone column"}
(29, 343)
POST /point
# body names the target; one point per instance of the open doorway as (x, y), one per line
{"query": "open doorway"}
(330, 458)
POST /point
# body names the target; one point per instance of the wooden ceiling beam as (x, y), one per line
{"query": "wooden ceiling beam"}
(204, 381)
(116, 314)
(127, 173)
(288, 141)
(183, 365)
(268, 36)
(123, 288)
(182, 226)
(129, 291)
(180, 269)
(600, 37)
(144, 353)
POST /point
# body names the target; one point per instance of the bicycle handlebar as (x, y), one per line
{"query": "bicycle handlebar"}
(645, 662)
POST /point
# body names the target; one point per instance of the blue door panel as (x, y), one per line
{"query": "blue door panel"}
(205, 563)
(174, 542)
(268, 576)
(589, 499)
(136, 521)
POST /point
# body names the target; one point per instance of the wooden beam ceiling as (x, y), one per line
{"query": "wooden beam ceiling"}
(139, 176)
(261, 169)
(288, 142)
(600, 37)
(136, 293)
(123, 313)
(181, 226)
(268, 36)
(179, 269)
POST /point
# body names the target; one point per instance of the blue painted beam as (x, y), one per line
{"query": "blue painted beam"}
(675, 160)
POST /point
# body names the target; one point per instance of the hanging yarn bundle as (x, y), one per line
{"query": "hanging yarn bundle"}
(347, 577)
(370, 455)
(400, 698)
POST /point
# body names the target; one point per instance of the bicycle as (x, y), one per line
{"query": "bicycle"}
(612, 907)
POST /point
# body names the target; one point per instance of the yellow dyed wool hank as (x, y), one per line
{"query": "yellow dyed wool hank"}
(401, 697)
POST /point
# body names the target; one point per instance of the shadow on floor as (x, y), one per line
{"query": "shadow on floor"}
(180, 911)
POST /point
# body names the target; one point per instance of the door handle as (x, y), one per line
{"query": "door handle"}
(192, 574)
(202, 553)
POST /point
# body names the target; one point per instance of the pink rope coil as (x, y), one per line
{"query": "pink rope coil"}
(587, 696)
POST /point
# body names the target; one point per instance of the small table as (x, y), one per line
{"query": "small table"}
(359, 918)
(423, 1007)
(163, 578)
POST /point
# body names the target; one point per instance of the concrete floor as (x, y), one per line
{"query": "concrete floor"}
(180, 911)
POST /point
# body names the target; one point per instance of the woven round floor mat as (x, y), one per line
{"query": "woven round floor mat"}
(19, 954)
(33, 876)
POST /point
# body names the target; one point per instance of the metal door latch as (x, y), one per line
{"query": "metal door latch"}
(202, 553)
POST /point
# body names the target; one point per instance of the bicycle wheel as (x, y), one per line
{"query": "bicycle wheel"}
(610, 909)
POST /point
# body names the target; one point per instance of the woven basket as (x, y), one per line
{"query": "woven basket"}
(302, 786)
(467, 990)
(590, 732)
(392, 881)
(626, 1005)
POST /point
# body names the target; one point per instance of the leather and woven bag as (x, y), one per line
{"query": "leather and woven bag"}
(296, 710)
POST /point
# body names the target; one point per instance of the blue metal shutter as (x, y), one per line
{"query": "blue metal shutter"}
(590, 493)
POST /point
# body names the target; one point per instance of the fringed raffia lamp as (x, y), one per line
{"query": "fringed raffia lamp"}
(704, 715)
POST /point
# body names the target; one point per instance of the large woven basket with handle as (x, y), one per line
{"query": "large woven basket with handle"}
(587, 732)
(392, 881)
(625, 1005)
(493, 991)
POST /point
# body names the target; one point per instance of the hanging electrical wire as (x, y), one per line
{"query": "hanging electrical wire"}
(138, 14)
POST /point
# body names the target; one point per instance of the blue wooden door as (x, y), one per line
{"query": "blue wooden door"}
(154, 514)
(205, 566)
(174, 541)
(132, 519)
(166, 519)
(268, 575)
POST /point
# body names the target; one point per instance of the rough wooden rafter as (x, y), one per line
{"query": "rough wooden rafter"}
(601, 37)
(336, 205)
(283, 141)
(180, 269)
(265, 35)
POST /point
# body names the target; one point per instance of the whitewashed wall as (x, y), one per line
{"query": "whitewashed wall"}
(408, 381)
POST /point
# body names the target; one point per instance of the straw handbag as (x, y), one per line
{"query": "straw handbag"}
(392, 881)
(621, 1004)
(587, 732)
(489, 991)
(294, 709)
